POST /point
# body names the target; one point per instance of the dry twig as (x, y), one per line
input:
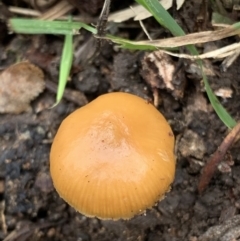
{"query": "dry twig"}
(211, 166)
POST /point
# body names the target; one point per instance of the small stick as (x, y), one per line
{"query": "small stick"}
(102, 22)
(101, 28)
(210, 168)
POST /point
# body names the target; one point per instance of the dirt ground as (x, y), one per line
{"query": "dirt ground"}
(30, 208)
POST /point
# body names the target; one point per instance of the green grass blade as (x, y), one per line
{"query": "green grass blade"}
(162, 16)
(37, 26)
(128, 44)
(65, 66)
(221, 19)
(166, 20)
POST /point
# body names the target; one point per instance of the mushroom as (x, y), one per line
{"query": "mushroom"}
(114, 157)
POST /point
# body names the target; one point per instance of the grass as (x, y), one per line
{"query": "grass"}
(65, 65)
(165, 19)
(69, 28)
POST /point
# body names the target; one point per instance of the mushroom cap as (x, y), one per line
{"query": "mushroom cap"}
(114, 157)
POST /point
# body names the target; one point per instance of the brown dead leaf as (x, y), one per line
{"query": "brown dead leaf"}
(19, 84)
(159, 70)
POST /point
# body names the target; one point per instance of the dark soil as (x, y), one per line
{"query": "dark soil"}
(30, 208)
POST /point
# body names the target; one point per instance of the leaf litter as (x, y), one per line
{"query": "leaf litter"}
(19, 84)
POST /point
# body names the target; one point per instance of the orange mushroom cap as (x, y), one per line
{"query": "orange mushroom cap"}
(114, 157)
